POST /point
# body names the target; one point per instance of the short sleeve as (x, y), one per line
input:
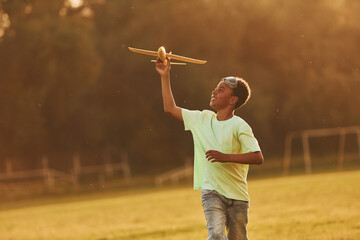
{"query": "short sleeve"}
(247, 139)
(191, 118)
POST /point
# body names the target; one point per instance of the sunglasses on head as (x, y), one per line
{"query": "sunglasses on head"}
(231, 82)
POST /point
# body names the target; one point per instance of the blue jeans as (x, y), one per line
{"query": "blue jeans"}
(221, 212)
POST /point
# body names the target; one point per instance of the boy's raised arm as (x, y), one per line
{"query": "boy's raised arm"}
(168, 99)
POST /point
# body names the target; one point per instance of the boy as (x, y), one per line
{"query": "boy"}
(224, 148)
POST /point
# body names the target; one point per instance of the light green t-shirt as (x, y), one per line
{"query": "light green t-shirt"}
(232, 136)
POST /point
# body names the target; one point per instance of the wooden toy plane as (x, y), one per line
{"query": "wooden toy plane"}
(161, 53)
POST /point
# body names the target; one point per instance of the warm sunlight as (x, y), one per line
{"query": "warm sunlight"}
(76, 3)
(5, 20)
(116, 114)
(4, 23)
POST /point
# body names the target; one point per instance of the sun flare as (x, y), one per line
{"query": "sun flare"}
(76, 3)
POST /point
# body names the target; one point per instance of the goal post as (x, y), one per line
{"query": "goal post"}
(310, 133)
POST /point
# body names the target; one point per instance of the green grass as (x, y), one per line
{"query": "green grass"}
(324, 206)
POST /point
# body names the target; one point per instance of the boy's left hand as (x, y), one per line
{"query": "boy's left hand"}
(161, 68)
(215, 156)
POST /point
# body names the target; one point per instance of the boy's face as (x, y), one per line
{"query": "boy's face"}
(221, 97)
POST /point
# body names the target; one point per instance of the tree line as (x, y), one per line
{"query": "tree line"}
(70, 86)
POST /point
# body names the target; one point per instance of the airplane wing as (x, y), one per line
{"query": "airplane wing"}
(185, 59)
(169, 55)
(142, 51)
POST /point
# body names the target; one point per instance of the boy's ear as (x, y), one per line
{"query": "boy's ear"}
(234, 100)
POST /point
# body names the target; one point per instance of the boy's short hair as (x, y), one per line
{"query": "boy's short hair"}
(241, 90)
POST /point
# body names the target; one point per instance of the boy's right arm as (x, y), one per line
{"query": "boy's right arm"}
(168, 99)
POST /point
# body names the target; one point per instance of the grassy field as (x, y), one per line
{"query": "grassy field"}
(322, 206)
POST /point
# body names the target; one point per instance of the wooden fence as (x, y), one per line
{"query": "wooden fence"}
(175, 175)
(49, 176)
(52, 177)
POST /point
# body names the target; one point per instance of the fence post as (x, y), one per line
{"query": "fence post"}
(287, 154)
(125, 164)
(306, 148)
(8, 167)
(76, 170)
(48, 176)
(341, 151)
(108, 164)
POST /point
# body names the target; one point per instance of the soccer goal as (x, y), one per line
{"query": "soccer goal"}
(312, 133)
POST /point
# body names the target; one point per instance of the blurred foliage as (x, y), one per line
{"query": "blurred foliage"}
(69, 84)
